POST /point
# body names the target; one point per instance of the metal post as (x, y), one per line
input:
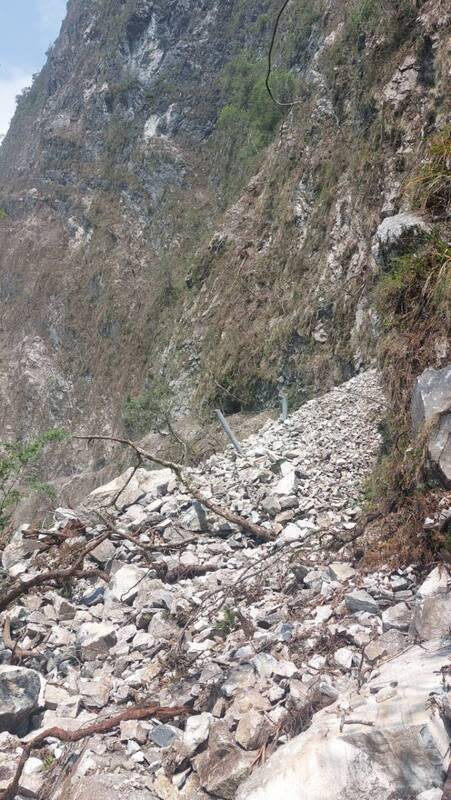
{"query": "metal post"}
(228, 431)
(284, 403)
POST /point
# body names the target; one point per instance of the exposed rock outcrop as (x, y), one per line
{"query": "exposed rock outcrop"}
(431, 403)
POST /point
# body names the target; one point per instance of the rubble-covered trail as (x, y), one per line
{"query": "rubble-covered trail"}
(280, 646)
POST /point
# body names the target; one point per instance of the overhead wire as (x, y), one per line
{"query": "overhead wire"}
(270, 52)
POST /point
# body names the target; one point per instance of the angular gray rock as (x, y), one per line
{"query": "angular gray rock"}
(341, 571)
(223, 766)
(432, 618)
(96, 639)
(431, 398)
(196, 732)
(360, 600)
(144, 482)
(125, 583)
(396, 235)
(20, 690)
(398, 616)
(251, 730)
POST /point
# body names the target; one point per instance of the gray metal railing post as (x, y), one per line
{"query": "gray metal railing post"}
(227, 429)
(284, 403)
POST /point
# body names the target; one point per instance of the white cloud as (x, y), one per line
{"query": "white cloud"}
(11, 85)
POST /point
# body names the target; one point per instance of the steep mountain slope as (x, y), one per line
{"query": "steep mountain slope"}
(103, 161)
(134, 241)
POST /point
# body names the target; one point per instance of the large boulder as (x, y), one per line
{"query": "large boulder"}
(432, 617)
(401, 751)
(20, 692)
(130, 488)
(431, 403)
(397, 235)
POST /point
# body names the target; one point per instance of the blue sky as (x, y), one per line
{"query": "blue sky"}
(27, 28)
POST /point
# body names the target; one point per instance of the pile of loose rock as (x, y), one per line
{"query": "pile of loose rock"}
(301, 675)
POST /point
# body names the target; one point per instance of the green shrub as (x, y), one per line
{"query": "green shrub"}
(149, 410)
(248, 120)
(243, 84)
(432, 183)
(19, 471)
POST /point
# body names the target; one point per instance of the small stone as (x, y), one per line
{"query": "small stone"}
(251, 730)
(264, 664)
(341, 571)
(105, 551)
(430, 794)
(360, 600)
(96, 639)
(219, 708)
(133, 729)
(287, 485)
(125, 583)
(291, 533)
(95, 693)
(323, 614)
(344, 657)
(94, 597)
(64, 609)
(240, 678)
(271, 505)
(164, 735)
(397, 616)
(196, 732)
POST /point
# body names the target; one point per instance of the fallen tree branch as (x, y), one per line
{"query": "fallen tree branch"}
(257, 531)
(103, 726)
(22, 588)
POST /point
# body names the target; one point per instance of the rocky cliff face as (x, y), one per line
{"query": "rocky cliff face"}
(151, 226)
(102, 172)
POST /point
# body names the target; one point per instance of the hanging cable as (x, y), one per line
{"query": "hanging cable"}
(271, 48)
